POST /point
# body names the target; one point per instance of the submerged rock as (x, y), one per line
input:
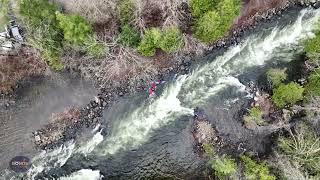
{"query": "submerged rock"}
(203, 132)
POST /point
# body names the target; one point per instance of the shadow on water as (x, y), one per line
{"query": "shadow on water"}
(35, 101)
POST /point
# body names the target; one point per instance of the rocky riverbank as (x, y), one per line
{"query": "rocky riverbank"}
(92, 113)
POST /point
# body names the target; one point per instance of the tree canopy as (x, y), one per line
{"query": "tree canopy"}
(287, 94)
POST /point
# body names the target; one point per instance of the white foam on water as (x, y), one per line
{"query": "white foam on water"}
(48, 159)
(59, 156)
(84, 174)
(255, 51)
(96, 128)
(134, 129)
(88, 147)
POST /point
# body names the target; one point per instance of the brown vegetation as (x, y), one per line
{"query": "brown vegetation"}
(185, 18)
(97, 11)
(14, 68)
(120, 64)
(152, 15)
(124, 63)
(161, 13)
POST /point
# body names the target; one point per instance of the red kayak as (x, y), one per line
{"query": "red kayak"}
(153, 87)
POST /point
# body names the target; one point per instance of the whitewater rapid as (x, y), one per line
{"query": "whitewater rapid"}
(189, 91)
(180, 97)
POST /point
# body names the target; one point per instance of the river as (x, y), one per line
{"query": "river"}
(151, 138)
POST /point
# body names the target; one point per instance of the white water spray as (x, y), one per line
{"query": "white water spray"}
(48, 159)
(84, 174)
(59, 156)
(90, 145)
(136, 128)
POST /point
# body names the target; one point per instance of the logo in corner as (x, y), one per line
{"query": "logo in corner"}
(20, 164)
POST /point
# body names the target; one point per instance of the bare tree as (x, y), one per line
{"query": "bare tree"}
(193, 45)
(303, 147)
(96, 11)
(291, 170)
(120, 64)
(13, 68)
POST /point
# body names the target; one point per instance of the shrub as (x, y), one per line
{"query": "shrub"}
(53, 58)
(276, 76)
(95, 48)
(208, 149)
(39, 13)
(76, 29)
(171, 40)
(43, 29)
(215, 23)
(303, 147)
(224, 167)
(254, 170)
(255, 114)
(229, 10)
(150, 42)
(129, 36)
(313, 86)
(126, 11)
(287, 94)
(199, 7)
(208, 27)
(4, 8)
(312, 47)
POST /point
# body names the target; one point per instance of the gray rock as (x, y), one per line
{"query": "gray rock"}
(37, 138)
(97, 100)
(104, 104)
(286, 114)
